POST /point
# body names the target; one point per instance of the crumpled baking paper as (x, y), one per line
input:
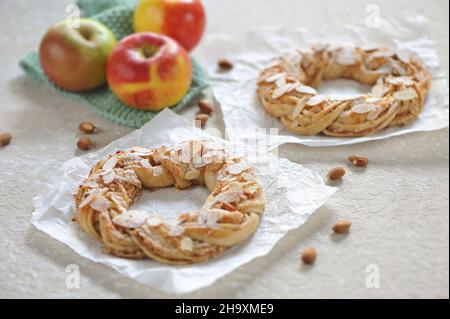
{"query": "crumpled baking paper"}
(292, 194)
(235, 91)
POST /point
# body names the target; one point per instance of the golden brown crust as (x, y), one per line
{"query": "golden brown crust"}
(400, 86)
(229, 216)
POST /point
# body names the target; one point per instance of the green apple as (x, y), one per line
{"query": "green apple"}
(74, 56)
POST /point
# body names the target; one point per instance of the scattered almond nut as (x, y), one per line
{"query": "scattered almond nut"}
(84, 143)
(201, 119)
(5, 138)
(342, 226)
(87, 128)
(336, 173)
(359, 161)
(205, 106)
(225, 64)
(309, 255)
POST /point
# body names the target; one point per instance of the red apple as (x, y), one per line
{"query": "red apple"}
(75, 58)
(183, 20)
(148, 71)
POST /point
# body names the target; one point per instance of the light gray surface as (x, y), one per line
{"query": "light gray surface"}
(398, 206)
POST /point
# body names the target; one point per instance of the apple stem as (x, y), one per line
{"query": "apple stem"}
(148, 51)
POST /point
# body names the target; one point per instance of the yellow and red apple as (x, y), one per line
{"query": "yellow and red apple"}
(182, 20)
(149, 71)
(74, 57)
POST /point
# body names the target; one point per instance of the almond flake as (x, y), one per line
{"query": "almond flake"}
(369, 48)
(176, 230)
(294, 57)
(129, 177)
(384, 69)
(308, 113)
(403, 56)
(293, 86)
(405, 95)
(421, 76)
(248, 176)
(130, 218)
(157, 170)
(154, 221)
(373, 99)
(109, 164)
(228, 197)
(298, 108)
(91, 195)
(175, 157)
(379, 90)
(235, 187)
(320, 47)
(197, 159)
(306, 90)
(375, 113)
(281, 82)
(292, 70)
(273, 64)
(189, 150)
(215, 156)
(349, 97)
(144, 163)
(382, 54)
(280, 92)
(274, 77)
(398, 68)
(108, 177)
(211, 145)
(211, 218)
(139, 149)
(90, 184)
(100, 203)
(316, 99)
(119, 201)
(238, 168)
(362, 108)
(346, 58)
(345, 114)
(186, 244)
(399, 80)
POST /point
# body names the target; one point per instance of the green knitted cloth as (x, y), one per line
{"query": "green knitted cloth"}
(118, 16)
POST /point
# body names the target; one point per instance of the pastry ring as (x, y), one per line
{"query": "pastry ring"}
(229, 216)
(400, 87)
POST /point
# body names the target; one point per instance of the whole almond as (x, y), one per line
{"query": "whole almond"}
(342, 226)
(84, 143)
(201, 119)
(309, 255)
(5, 138)
(359, 161)
(225, 64)
(205, 106)
(87, 128)
(336, 173)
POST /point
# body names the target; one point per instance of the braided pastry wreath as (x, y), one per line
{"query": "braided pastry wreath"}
(229, 216)
(400, 86)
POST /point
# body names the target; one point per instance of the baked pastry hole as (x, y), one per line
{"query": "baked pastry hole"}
(174, 201)
(340, 89)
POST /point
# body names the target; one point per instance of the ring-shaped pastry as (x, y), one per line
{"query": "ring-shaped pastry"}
(286, 89)
(229, 216)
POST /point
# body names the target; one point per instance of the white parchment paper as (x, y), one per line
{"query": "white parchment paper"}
(292, 194)
(235, 90)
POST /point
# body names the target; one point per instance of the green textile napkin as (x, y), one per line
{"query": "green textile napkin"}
(118, 16)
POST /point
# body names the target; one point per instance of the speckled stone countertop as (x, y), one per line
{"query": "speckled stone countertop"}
(398, 206)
